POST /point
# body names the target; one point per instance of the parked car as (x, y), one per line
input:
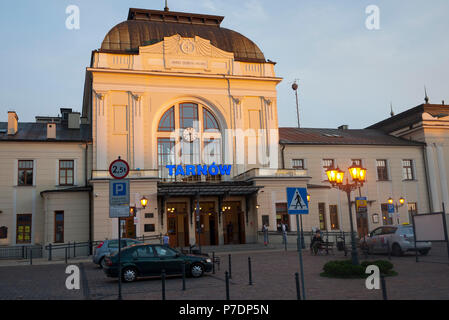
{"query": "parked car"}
(108, 247)
(143, 260)
(398, 239)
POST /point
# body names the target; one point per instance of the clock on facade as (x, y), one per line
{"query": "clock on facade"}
(190, 134)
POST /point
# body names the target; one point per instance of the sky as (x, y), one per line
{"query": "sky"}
(348, 74)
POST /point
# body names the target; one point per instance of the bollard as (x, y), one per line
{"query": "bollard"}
(230, 267)
(250, 272)
(163, 284)
(298, 291)
(213, 262)
(384, 287)
(389, 250)
(74, 249)
(90, 247)
(31, 256)
(23, 253)
(227, 285)
(65, 255)
(183, 276)
(49, 252)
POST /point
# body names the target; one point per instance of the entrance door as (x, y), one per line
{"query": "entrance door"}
(129, 228)
(208, 224)
(362, 224)
(23, 230)
(178, 225)
(233, 223)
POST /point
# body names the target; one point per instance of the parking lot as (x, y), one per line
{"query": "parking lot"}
(273, 279)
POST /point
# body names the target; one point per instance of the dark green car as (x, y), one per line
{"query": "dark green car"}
(147, 260)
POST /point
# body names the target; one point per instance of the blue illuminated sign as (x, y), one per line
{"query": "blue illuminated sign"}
(198, 170)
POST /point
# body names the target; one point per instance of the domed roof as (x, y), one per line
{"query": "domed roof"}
(146, 27)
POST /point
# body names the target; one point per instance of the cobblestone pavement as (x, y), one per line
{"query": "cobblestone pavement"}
(273, 277)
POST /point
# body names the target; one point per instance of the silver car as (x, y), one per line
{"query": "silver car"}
(398, 239)
(109, 247)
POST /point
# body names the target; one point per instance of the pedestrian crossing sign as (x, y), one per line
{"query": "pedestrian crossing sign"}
(297, 201)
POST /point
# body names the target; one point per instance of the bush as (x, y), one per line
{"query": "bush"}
(385, 267)
(343, 269)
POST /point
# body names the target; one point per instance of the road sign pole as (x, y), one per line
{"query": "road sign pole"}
(301, 266)
(119, 262)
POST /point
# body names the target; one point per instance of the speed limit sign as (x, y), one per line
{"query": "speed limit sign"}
(119, 169)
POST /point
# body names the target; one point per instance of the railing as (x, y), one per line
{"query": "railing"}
(20, 252)
(135, 174)
(328, 236)
(73, 249)
(268, 172)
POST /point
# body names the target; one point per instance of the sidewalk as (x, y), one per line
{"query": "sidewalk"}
(42, 261)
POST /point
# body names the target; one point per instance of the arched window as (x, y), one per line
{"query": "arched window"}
(210, 123)
(199, 141)
(167, 123)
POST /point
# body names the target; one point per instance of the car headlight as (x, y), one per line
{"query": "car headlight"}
(208, 260)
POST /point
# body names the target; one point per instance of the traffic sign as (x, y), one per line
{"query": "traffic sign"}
(390, 208)
(361, 204)
(119, 169)
(297, 201)
(118, 198)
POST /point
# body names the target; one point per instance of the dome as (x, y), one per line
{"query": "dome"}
(146, 27)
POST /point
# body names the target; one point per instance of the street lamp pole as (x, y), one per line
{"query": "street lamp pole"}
(358, 175)
(295, 88)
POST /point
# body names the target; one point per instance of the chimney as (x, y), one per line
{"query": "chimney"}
(74, 120)
(343, 127)
(12, 122)
(51, 130)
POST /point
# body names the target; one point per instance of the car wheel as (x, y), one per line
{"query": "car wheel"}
(396, 250)
(424, 252)
(129, 275)
(102, 263)
(197, 270)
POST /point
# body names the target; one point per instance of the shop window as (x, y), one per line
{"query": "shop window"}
(25, 173)
(322, 215)
(23, 230)
(59, 227)
(386, 218)
(66, 172)
(282, 216)
(333, 215)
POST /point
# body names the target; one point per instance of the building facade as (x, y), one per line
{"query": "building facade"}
(192, 107)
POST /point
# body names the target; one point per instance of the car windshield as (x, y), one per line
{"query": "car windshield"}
(406, 231)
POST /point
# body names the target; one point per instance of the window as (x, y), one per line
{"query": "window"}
(412, 210)
(333, 214)
(3, 232)
(188, 113)
(298, 164)
(114, 244)
(166, 156)
(210, 123)
(167, 123)
(66, 172)
(25, 173)
(282, 215)
(357, 162)
(149, 215)
(327, 164)
(382, 172)
(386, 218)
(407, 170)
(149, 228)
(164, 251)
(23, 231)
(322, 215)
(59, 227)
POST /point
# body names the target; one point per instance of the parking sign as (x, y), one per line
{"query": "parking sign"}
(118, 198)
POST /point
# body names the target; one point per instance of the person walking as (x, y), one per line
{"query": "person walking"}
(284, 233)
(265, 234)
(166, 240)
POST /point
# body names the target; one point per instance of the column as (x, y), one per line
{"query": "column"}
(101, 146)
(443, 176)
(435, 202)
(138, 131)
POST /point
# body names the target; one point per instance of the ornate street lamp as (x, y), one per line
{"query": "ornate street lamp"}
(144, 202)
(336, 178)
(396, 206)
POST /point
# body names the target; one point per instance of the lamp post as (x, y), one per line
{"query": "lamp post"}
(396, 206)
(336, 177)
(295, 88)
